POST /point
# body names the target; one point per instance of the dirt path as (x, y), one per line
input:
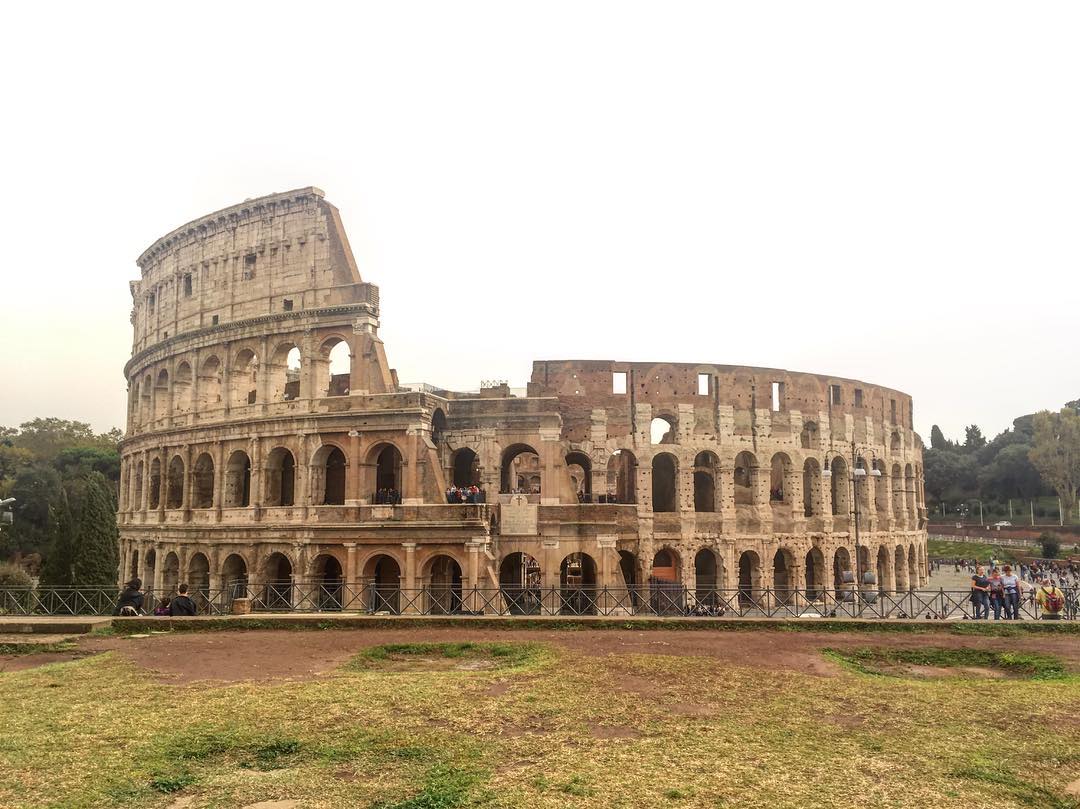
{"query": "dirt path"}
(301, 655)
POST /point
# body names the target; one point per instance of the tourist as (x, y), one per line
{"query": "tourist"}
(182, 605)
(996, 593)
(980, 593)
(162, 607)
(1051, 600)
(1011, 584)
(131, 599)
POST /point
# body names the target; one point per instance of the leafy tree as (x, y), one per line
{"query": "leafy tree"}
(973, 438)
(96, 546)
(35, 490)
(949, 474)
(1010, 474)
(79, 461)
(1055, 453)
(45, 438)
(937, 438)
(1050, 545)
(57, 570)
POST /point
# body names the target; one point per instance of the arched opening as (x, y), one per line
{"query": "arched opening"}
(280, 477)
(520, 582)
(518, 461)
(744, 479)
(133, 404)
(146, 401)
(443, 586)
(628, 569)
(466, 466)
(914, 580)
(894, 442)
(133, 572)
(174, 491)
(383, 577)
(210, 384)
(881, 492)
(198, 579)
(811, 488)
(706, 467)
(155, 483)
(862, 487)
(278, 589)
(338, 361)
(900, 569)
(897, 481)
(662, 430)
(162, 403)
(815, 574)
(438, 427)
(234, 576)
(244, 378)
(151, 565)
(202, 487)
(909, 494)
(238, 480)
(284, 371)
(333, 475)
(622, 477)
(706, 578)
(579, 466)
(140, 473)
(808, 438)
(170, 573)
(843, 575)
(577, 581)
(182, 389)
(779, 479)
(841, 502)
(387, 475)
(883, 577)
(329, 583)
(783, 576)
(664, 584)
(664, 475)
(749, 578)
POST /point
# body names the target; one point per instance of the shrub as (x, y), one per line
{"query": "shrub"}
(13, 576)
(1050, 545)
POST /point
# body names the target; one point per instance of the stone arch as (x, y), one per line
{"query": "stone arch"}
(202, 484)
(140, 472)
(244, 378)
(438, 426)
(337, 362)
(280, 477)
(210, 384)
(784, 575)
(133, 404)
(382, 573)
(170, 572)
(662, 429)
(386, 484)
(881, 491)
(666, 565)
(328, 475)
(744, 482)
(914, 577)
(839, 488)
(897, 481)
(780, 474)
(583, 489)
(843, 575)
(234, 576)
(328, 578)
(465, 465)
(814, 565)
(507, 476)
(910, 509)
(808, 438)
(900, 569)
(622, 476)
(812, 506)
(706, 474)
(174, 489)
(577, 584)
(284, 372)
(665, 476)
(521, 582)
(277, 575)
(155, 483)
(749, 577)
(146, 400)
(238, 481)
(894, 442)
(442, 584)
(884, 570)
(707, 577)
(198, 576)
(182, 388)
(162, 395)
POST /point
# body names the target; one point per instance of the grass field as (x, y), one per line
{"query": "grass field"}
(941, 549)
(511, 723)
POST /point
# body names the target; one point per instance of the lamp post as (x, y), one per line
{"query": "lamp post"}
(857, 472)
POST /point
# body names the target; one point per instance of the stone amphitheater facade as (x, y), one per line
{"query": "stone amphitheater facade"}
(264, 419)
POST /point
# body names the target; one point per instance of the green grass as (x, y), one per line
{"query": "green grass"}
(942, 549)
(883, 660)
(700, 731)
(31, 648)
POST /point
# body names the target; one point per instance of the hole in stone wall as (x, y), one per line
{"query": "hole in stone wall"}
(618, 382)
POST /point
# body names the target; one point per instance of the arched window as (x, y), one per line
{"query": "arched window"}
(662, 430)
(664, 475)
(706, 466)
(182, 389)
(840, 488)
(210, 384)
(334, 480)
(466, 466)
(622, 476)
(387, 475)
(284, 370)
(579, 466)
(174, 493)
(244, 381)
(438, 426)
(238, 481)
(162, 403)
(140, 472)
(337, 358)
(520, 462)
(155, 483)
(280, 477)
(202, 490)
(780, 479)
(811, 488)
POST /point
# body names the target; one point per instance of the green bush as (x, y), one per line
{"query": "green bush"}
(1050, 545)
(13, 576)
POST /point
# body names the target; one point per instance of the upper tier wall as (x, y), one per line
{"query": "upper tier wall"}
(281, 252)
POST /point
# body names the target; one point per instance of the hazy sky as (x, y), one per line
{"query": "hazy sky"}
(889, 192)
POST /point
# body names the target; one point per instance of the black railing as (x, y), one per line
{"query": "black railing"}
(656, 599)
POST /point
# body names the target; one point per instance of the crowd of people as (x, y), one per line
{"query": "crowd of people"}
(465, 494)
(1004, 591)
(132, 600)
(388, 497)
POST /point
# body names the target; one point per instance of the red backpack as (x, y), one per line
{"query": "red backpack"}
(1055, 602)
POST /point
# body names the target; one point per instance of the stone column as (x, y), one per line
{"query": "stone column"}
(412, 603)
(163, 482)
(159, 570)
(724, 486)
(473, 547)
(551, 463)
(219, 480)
(411, 494)
(189, 476)
(759, 484)
(303, 477)
(352, 493)
(352, 588)
(550, 575)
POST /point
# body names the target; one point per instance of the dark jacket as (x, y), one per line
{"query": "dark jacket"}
(129, 598)
(182, 605)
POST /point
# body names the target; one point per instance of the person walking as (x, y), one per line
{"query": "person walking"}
(1051, 600)
(1011, 584)
(980, 594)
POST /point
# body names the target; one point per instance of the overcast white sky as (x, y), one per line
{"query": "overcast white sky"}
(889, 192)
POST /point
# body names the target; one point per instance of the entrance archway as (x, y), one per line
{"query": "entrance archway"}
(383, 576)
(664, 475)
(706, 578)
(329, 583)
(387, 476)
(577, 580)
(278, 587)
(749, 578)
(783, 576)
(815, 574)
(443, 586)
(520, 463)
(622, 476)
(520, 582)
(466, 465)
(234, 576)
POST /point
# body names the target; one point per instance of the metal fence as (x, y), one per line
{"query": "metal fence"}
(657, 599)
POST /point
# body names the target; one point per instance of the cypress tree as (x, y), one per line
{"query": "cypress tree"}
(97, 539)
(57, 568)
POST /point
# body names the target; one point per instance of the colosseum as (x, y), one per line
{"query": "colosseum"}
(273, 456)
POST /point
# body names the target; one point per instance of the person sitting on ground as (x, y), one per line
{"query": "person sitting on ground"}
(1051, 600)
(162, 608)
(182, 605)
(131, 599)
